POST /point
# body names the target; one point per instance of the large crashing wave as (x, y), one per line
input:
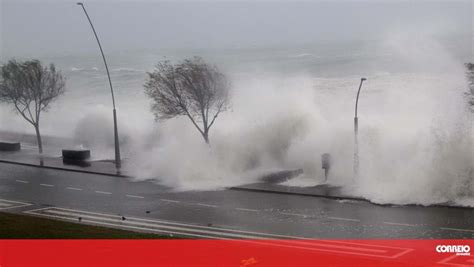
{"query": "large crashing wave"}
(415, 133)
(415, 130)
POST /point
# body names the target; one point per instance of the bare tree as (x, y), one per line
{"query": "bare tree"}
(192, 88)
(30, 88)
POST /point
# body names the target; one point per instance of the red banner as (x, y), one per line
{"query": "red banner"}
(241, 253)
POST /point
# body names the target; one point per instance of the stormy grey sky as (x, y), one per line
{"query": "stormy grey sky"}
(36, 28)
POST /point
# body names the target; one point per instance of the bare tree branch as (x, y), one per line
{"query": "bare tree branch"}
(192, 88)
(30, 87)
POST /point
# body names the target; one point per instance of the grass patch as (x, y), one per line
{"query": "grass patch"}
(20, 226)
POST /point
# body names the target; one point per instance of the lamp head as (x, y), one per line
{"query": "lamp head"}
(80, 4)
(363, 79)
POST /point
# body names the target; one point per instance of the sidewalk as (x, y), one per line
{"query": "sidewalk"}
(52, 158)
(94, 167)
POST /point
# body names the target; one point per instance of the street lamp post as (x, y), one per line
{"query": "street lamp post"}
(356, 129)
(116, 139)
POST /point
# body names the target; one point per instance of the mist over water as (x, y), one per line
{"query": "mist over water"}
(289, 106)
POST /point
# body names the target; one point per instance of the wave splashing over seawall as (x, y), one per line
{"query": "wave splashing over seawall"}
(415, 132)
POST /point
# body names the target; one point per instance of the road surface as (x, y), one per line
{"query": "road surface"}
(149, 207)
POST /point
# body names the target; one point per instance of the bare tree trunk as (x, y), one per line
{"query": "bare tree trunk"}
(38, 139)
(205, 135)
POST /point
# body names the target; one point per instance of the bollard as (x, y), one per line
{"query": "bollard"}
(326, 164)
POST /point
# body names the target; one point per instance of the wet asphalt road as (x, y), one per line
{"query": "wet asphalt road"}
(288, 215)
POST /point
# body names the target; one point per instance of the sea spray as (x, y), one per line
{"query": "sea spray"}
(415, 135)
(415, 127)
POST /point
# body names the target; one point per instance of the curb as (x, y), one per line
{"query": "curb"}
(63, 169)
(236, 188)
(298, 194)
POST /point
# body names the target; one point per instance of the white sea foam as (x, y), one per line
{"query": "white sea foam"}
(76, 69)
